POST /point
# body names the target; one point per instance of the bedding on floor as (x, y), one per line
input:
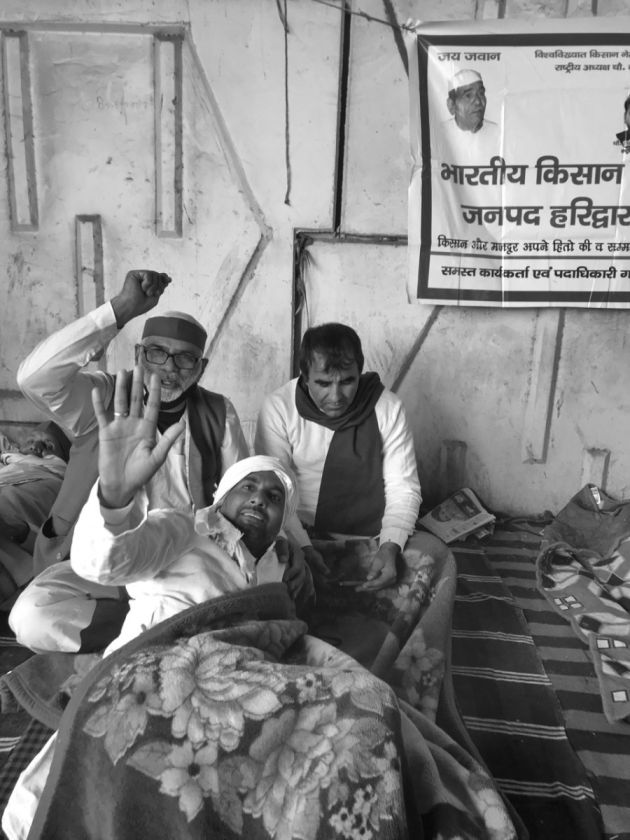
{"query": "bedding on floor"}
(228, 718)
(483, 668)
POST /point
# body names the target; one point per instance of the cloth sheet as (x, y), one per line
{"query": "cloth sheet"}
(599, 747)
(539, 728)
(231, 720)
(520, 682)
(584, 571)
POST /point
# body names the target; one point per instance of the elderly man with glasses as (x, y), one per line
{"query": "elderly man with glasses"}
(59, 611)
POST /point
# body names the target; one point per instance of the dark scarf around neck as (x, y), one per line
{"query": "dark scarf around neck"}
(352, 491)
(369, 390)
(206, 418)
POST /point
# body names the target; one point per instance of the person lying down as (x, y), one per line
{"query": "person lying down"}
(168, 560)
(30, 478)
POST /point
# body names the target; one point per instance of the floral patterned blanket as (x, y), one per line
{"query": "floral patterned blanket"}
(231, 720)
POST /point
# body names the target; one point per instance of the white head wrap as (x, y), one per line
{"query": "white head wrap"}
(464, 77)
(260, 463)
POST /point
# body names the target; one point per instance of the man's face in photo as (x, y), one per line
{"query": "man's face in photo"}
(468, 106)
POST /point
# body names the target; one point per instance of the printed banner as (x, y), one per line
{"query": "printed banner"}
(520, 139)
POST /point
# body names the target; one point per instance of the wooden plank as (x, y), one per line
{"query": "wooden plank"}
(89, 272)
(18, 127)
(167, 54)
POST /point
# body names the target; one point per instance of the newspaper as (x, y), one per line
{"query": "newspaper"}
(458, 517)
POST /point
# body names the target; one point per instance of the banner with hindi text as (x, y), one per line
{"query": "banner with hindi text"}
(520, 188)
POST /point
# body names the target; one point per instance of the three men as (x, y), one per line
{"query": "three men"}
(343, 433)
(347, 439)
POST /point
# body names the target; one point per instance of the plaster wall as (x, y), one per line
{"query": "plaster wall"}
(523, 406)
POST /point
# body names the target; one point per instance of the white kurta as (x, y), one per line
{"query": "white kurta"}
(467, 148)
(167, 559)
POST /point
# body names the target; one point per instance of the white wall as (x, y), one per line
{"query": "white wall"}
(524, 406)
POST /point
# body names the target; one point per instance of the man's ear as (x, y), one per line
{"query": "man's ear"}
(204, 365)
(450, 105)
(138, 351)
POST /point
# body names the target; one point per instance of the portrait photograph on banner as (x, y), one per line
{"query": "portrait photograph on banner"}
(520, 185)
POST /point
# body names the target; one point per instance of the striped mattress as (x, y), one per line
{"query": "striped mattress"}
(529, 696)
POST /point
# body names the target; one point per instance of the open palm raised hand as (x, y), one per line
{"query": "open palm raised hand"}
(129, 454)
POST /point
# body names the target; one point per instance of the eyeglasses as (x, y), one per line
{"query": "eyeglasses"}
(159, 356)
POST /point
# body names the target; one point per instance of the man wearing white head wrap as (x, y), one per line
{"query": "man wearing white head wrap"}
(260, 463)
(167, 558)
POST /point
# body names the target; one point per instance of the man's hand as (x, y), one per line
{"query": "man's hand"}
(128, 455)
(382, 571)
(141, 291)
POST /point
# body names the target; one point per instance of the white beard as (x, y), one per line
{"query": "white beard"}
(168, 395)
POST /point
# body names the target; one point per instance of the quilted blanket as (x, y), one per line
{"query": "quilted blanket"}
(584, 572)
(231, 720)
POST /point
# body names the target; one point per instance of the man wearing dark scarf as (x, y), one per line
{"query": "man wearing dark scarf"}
(59, 611)
(347, 439)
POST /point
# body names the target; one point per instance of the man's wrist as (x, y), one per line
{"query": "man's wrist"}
(398, 536)
(110, 499)
(389, 547)
(122, 310)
